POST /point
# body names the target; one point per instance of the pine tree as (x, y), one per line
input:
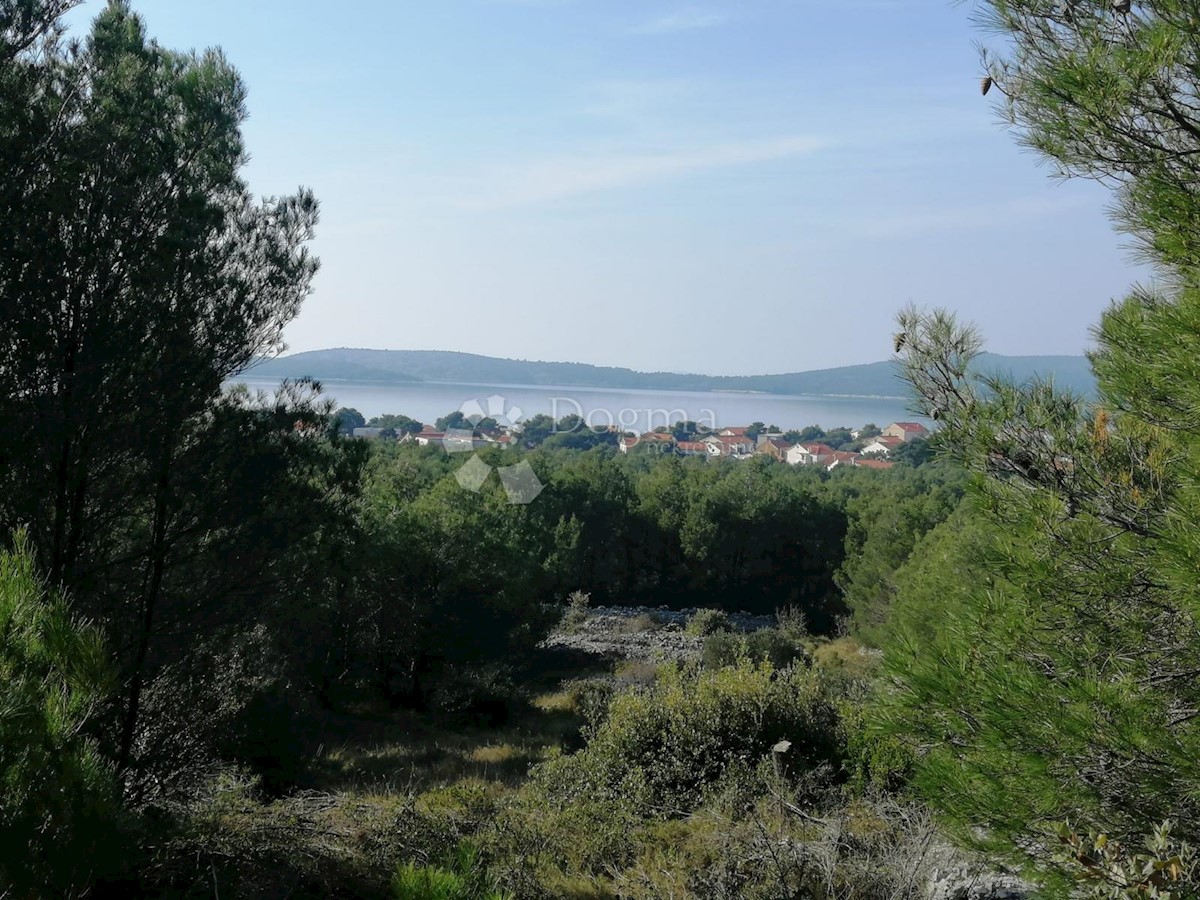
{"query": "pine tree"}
(137, 274)
(1060, 680)
(59, 801)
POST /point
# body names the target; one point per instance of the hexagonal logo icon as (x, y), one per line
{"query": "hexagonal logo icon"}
(496, 408)
(519, 481)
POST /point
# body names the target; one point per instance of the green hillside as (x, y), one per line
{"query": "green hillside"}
(869, 379)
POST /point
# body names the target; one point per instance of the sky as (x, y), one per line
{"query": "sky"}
(719, 187)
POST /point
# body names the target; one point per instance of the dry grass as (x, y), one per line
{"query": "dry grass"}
(420, 763)
(847, 655)
(636, 672)
(386, 752)
(557, 702)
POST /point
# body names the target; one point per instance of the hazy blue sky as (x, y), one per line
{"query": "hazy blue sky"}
(726, 187)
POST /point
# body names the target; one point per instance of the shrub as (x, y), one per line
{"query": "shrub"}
(863, 851)
(226, 702)
(769, 645)
(876, 763)
(1103, 868)
(707, 622)
(59, 799)
(792, 623)
(577, 611)
(722, 650)
(661, 747)
(772, 646)
(590, 697)
(633, 672)
(486, 695)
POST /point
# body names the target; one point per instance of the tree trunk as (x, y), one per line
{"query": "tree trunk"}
(156, 567)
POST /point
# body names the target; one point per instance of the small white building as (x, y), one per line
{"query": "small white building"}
(730, 447)
(882, 445)
(810, 454)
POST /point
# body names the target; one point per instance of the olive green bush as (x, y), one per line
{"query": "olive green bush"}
(767, 645)
(705, 622)
(1104, 869)
(661, 747)
(576, 614)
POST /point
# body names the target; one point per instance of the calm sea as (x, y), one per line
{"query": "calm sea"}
(631, 409)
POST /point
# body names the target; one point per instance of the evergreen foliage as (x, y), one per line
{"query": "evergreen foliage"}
(1049, 672)
(661, 749)
(58, 797)
(138, 274)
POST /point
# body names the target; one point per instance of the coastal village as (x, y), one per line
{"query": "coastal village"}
(743, 442)
(872, 448)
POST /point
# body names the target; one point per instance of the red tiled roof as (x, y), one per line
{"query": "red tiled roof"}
(819, 449)
(909, 426)
(692, 445)
(873, 464)
(656, 436)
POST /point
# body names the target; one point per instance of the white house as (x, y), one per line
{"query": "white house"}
(882, 445)
(732, 447)
(810, 454)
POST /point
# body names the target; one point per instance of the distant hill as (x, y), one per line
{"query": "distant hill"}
(867, 380)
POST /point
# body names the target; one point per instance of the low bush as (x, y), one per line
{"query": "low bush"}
(635, 672)
(661, 747)
(768, 645)
(880, 851)
(792, 623)
(578, 606)
(590, 697)
(1103, 868)
(875, 763)
(705, 622)
(486, 695)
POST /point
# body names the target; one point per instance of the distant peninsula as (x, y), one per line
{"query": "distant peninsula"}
(878, 379)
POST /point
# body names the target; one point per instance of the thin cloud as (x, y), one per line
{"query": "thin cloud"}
(682, 20)
(559, 179)
(626, 98)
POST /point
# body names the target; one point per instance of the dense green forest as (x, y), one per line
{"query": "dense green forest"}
(245, 655)
(880, 379)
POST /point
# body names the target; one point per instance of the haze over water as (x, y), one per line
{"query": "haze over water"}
(633, 410)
